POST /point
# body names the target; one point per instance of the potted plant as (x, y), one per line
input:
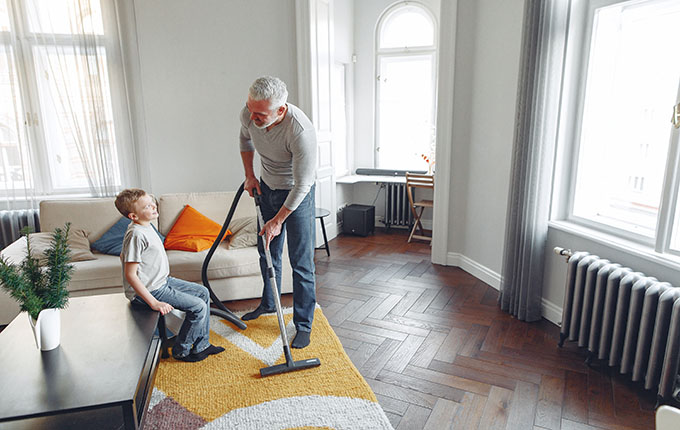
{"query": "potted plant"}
(41, 288)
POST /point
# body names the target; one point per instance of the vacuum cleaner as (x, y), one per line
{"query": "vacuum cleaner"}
(289, 365)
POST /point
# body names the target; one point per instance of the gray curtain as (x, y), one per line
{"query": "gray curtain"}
(543, 46)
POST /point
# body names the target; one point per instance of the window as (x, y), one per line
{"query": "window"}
(57, 87)
(624, 83)
(406, 87)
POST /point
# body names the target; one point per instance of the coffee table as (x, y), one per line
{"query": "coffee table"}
(101, 375)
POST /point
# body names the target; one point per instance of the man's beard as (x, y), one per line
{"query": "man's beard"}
(267, 124)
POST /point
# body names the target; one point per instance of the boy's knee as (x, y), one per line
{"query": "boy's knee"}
(198, 306)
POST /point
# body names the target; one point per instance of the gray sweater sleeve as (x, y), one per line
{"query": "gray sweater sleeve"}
(245, 144)
(303, 149)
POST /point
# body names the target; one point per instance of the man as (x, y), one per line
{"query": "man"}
(285, 139)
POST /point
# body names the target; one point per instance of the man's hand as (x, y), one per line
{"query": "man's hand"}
(271, 229)
(162, 307)
(250, 183)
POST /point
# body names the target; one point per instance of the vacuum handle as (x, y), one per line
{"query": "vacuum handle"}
(257, 197)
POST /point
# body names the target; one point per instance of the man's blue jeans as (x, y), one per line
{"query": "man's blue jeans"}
(194, 300)
(299, 226)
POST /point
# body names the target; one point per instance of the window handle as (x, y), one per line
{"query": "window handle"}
(676, 116)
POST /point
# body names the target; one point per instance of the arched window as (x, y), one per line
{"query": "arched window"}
(406, 65)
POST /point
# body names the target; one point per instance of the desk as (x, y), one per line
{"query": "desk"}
(100, 376)
(397, 209)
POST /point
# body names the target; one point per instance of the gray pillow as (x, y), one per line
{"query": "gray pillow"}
(244, 233)
(77, 241)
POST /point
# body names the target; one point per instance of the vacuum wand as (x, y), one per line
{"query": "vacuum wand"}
(290, 365)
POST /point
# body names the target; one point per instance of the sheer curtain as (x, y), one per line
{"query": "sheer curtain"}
(543, 46)
(63, 70)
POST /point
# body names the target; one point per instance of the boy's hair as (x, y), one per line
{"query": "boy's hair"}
(126, 199)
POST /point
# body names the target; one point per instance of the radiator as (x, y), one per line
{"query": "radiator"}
(11, 223)
(397, 207)
(625, 319)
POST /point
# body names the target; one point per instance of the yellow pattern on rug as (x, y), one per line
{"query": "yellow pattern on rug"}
(231, 380)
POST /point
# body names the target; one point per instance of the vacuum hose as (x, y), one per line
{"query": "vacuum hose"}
(221, 310)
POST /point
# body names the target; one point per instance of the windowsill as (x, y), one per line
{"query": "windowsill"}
(621, 245)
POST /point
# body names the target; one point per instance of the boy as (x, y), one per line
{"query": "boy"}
(147, 282)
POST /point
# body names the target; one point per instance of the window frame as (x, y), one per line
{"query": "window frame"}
(431, 51)
(574, 83)
(28, 86)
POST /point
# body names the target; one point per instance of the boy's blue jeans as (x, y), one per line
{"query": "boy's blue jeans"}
(194, 300)
(301, 234)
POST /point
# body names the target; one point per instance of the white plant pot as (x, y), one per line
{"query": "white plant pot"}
(46, 329)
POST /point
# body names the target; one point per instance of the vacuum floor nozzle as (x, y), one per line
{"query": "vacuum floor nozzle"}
(289, 367)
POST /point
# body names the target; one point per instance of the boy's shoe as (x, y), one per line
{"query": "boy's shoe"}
(212, 350)
(191, 358)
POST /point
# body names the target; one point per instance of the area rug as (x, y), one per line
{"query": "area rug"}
(226, 391)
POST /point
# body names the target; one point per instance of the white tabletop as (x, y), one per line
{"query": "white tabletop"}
(357, 179)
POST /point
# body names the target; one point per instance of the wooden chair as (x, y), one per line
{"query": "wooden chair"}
(414, 180)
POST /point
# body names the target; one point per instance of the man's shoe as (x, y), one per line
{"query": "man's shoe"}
(256, 313)
(301, 339)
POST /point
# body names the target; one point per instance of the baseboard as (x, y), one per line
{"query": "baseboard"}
(551, 312)
(477, 270)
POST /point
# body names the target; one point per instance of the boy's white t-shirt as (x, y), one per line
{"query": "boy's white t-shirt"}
(142, 245)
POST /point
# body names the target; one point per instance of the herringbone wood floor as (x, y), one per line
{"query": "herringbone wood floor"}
(439, 354)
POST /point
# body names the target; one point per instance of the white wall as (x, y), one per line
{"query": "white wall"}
(196, 62)
(485, 92)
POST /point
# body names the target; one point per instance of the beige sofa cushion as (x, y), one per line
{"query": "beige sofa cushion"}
(223, 264)
(77, 242)
(103, 272)
(94, 216)
(214, 205)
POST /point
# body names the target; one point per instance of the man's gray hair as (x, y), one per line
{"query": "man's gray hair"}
(269, 88)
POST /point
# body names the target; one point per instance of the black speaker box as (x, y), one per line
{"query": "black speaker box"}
(358, 219)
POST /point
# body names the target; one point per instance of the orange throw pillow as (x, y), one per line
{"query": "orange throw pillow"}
(192, 232)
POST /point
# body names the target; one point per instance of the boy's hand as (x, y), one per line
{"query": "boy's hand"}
(162, 307)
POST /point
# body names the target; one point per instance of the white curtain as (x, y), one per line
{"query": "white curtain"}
(543, 47)
(64, 73)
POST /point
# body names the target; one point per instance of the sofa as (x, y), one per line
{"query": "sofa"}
(234, 274)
